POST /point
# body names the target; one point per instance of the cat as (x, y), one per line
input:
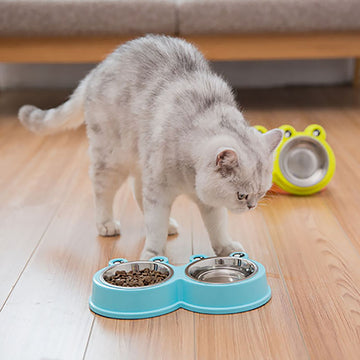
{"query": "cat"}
(156, 112)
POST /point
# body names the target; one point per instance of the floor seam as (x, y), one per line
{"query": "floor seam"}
(192, 252)
(89, 336)
(326, 201)
(29, 259)
(56, 211)
(284, 283)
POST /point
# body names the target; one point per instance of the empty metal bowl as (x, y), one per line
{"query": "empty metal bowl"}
(137, 266)
(221, 270)
(303, 161)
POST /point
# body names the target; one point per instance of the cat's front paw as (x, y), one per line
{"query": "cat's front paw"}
(227, 249)
(109, 228)
(173, 228)
(147, 254)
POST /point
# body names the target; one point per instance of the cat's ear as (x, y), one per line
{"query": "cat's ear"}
(273, 139)
(226, 160)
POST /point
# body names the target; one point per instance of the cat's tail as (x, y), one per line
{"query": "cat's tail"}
(69, 115)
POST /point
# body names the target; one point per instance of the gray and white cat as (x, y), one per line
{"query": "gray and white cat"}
(156, 112)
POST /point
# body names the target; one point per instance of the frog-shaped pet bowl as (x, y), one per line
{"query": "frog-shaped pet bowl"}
(210, 285)
(304, 162)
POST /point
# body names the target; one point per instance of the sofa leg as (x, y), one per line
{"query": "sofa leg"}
(356, 79)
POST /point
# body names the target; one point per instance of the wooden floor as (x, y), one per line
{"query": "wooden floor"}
(49, 249)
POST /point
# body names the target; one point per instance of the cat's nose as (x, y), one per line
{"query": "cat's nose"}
(250, 206)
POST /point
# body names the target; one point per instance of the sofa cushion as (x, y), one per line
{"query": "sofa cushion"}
(86, 17)
(246, 16)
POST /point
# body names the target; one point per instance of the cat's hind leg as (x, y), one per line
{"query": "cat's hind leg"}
(106, 182)
(108, 168)
(173, 227)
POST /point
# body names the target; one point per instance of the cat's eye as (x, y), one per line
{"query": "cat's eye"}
(241, 196)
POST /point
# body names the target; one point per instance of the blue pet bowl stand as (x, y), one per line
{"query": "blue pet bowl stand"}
(179, 291)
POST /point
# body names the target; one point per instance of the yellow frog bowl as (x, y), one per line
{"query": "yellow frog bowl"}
(304, 162)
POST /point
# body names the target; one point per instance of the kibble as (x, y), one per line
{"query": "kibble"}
(138, 278)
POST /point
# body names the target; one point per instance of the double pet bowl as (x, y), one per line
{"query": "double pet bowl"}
(211, 285)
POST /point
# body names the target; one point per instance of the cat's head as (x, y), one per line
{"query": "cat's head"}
(238, 176)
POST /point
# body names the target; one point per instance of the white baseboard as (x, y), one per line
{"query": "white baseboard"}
(240, 74)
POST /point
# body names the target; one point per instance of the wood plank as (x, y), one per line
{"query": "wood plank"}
(26, 161)
(47, 314)
(18, 205)
(215, 47)
(321, 271)
(342, 197)
(169, 336)
(258, 334)
(38, 307)
(47, 299)
(58, 50)
(276, 46)
(33, 184)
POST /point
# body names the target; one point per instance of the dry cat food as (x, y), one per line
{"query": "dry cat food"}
(131, 278)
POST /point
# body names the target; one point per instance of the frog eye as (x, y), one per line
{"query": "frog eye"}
(316, 131)
(287, 133)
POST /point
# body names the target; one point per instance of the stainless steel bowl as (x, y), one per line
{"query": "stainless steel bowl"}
(221, 270)
(303, 161)
(137, 266)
